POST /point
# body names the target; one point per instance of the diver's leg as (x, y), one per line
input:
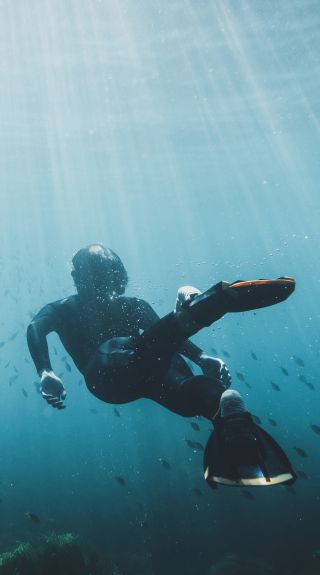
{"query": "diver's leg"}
(122, 367)
(158, 343)
(202, 309)
(239, 452)
(110, 373)
(156, 346)
(186, 396)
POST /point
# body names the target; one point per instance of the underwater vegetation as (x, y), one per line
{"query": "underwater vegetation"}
(61, 554)
(54, 554)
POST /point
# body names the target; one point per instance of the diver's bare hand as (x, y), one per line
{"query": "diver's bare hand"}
(52, 389)
(216, 368)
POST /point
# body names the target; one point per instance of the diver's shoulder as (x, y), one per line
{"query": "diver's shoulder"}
(65, 303)
(65, 300)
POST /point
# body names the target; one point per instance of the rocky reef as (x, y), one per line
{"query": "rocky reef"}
(53, 554)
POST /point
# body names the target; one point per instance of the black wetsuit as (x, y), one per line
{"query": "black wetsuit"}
(121, 364)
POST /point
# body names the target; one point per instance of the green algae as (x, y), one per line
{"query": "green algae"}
(18, 561)
(54, 553)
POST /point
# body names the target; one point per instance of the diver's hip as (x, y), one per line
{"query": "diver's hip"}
(111, 373)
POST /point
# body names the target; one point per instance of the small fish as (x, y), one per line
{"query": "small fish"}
(256, 419)
(272, 422)
(305, 381)
(13, 336)
(197, 491)
(144, 524)
(25, 393)
(194, 426)
(190, 443)
(290, 489)
(302, 474)
(225, 353)
(284, 370)
(198, 445)
(7, 364)
(300, 451)
(214, 351)
(310, 385)
(68, 366)
(37, 386)
(55, 350)
(27, 360)
(33, 517)
(15, 369)
(275, 386)
(116, 412)
(80, 382)
(12, 379)
(119, 479)
(247, 494)
(298, 361)
(247, 384)
(253, 355)
(165, 463)
(240, 375)
(2, 343)
(93, 411)
(315, 428)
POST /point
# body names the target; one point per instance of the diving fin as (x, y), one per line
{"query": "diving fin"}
(254, 294)
(239, 452)
(238, 296)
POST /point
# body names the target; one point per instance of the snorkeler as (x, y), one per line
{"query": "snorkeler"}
(126, 352)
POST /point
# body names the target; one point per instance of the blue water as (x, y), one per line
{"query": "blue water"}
(184, 135)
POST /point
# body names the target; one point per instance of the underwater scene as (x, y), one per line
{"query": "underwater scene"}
(184, 136)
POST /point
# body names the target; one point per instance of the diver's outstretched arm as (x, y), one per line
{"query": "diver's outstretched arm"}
(52, 389)
(41, 325)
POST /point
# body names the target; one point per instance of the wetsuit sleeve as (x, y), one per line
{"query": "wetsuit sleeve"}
(42, 324)
(147, 317)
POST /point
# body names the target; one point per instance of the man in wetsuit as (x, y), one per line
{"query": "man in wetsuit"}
(125, 352)
(99, 313)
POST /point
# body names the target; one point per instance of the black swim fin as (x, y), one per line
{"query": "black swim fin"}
(239, 452)
(238, 296)
(254, 294)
